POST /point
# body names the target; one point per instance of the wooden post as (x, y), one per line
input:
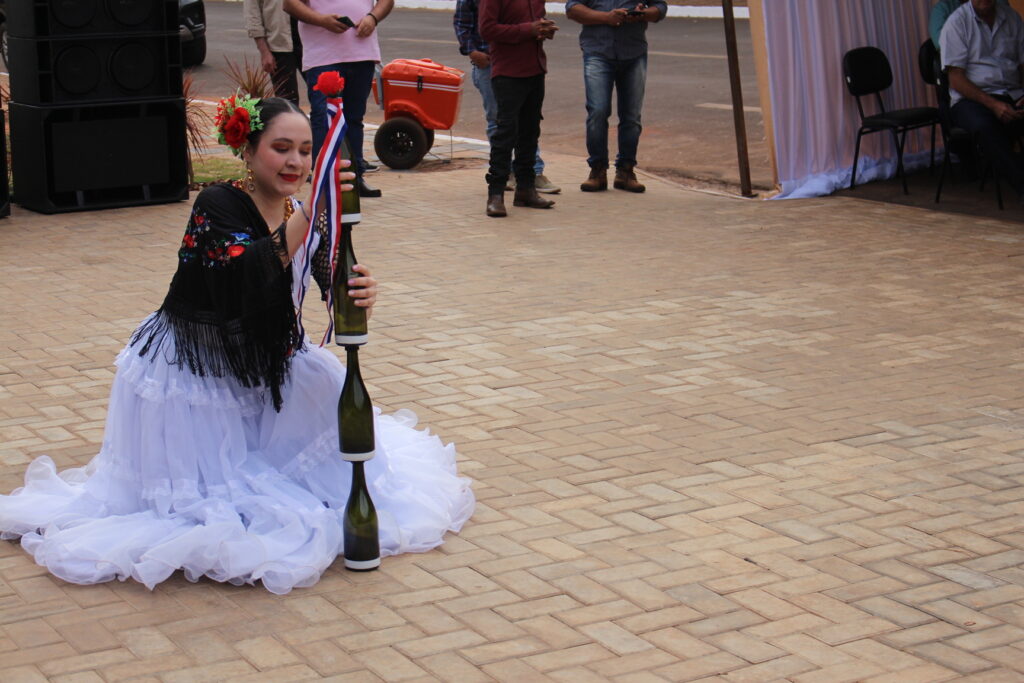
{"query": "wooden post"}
(737, 99)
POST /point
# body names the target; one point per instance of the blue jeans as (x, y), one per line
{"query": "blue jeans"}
(358, 81)
(482, 81)
(628, 78)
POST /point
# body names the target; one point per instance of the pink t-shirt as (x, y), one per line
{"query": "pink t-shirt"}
(320, 47)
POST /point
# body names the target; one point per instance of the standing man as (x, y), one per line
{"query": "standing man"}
(341, 35)
(516, 30)
(274, 34)
(614, 44)
(471, 44)
(982, 48)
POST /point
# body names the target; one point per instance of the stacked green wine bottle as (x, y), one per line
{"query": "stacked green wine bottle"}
(355, 410)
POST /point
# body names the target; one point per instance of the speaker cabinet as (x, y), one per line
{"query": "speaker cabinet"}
(94, 69)
(52, 18)
(96, 156)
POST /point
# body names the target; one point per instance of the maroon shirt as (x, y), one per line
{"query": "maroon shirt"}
(505, 25)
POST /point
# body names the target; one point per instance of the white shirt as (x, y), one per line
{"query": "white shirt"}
(990, 56)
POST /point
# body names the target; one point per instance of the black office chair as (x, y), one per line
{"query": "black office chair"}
(868, 72)
(954, 138)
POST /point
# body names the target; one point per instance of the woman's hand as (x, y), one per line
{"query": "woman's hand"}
(345, 176)
(363, 289)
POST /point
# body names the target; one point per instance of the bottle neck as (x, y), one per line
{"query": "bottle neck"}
(352, 360)
(358, 475)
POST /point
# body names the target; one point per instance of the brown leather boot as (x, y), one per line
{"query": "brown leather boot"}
(527, 196)
(598, 180)
(496, 206)
(626, 180)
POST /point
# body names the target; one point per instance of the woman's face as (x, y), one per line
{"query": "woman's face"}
(281, 161)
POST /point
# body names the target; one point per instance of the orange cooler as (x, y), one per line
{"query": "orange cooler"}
(424, 90)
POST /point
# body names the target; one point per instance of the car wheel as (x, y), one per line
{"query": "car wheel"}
(193, 52)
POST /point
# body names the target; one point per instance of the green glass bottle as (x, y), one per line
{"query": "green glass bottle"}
(362, 545)
(356, 441)
(349, 320)
(355, 412)
(350, 214)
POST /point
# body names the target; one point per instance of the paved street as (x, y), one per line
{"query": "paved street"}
(688, 127)
(711, 439)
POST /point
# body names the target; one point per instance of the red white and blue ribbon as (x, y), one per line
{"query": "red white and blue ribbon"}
(325, 188)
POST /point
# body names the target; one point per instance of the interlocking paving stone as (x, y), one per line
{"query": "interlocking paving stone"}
(710, 439)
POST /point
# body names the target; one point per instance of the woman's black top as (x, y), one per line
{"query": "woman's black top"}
(229, 306)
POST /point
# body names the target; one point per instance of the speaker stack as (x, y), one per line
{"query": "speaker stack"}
(97, 114)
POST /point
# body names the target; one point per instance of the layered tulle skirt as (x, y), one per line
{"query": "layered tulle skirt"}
(201, 474)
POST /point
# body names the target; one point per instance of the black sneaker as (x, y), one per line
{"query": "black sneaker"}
(370, 168)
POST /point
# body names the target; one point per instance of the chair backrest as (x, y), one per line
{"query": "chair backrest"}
(867, 71)
(928, 63)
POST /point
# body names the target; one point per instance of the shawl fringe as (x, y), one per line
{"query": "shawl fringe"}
(256, 350)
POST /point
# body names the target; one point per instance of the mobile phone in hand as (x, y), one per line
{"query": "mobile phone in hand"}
(634, 13)
(346, 21)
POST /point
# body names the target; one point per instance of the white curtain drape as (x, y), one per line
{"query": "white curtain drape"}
(814, 117)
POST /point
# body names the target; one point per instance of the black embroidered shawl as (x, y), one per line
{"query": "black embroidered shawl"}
(229, 306)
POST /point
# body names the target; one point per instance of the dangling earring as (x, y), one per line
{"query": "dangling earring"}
(250, 179)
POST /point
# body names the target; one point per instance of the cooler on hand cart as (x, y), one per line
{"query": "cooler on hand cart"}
(419, 96)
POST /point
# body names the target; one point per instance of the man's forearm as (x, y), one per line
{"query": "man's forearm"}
(582, 14)
(958, 81)
(382, 9)
(302, 11)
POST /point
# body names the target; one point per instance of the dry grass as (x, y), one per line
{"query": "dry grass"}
(250, 78)
(198, 123)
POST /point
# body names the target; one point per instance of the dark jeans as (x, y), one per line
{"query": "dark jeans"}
(358, 81)
(286, 84)
(627, 77)
(994, 137)
(519, 113)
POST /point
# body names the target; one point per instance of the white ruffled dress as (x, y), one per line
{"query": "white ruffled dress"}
(201, 474)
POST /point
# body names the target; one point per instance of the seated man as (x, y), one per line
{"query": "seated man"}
(940, 12)
(982, 47)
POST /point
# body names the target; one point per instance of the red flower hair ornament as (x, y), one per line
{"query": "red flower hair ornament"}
(236, 118)
(330, 83)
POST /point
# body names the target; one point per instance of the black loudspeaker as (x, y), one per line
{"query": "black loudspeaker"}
(50, 18)
(94, 68)
(5, 185)
(97, 118)
(96, 156)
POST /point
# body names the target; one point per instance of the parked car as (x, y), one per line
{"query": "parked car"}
(191, 28)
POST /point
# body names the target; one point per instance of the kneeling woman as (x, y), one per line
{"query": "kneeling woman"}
(220, 451)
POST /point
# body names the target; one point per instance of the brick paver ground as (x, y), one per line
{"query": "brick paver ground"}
(712, 439)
